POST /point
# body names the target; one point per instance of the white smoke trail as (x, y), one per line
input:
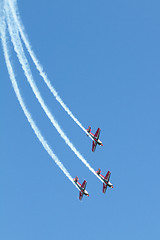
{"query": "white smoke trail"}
(14, 11)
(24, 108)
(25, 65)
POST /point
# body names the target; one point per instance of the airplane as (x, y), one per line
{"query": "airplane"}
(105, 179)
(95, 138)
(81, 188)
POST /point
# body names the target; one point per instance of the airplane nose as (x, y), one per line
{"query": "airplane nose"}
(111, 186)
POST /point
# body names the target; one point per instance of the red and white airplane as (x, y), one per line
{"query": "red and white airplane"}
(95, 138)
(81, 188)
(105, 179)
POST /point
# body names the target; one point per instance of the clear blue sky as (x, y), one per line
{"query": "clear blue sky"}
(103, 57)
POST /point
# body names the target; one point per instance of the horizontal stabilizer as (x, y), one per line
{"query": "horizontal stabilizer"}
(76, 179)
(99, 171)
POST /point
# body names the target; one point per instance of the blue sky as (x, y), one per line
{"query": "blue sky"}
(103, 58)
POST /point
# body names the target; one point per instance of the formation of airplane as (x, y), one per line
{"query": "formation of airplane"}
(81, 187)
(106, 182)
(95, 138)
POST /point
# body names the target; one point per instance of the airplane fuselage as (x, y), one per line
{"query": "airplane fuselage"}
(108, 183)
(95, 139)
(82, 189)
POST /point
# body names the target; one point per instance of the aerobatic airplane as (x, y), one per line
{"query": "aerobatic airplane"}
(81, 188)
(95, 138)
(105, 179)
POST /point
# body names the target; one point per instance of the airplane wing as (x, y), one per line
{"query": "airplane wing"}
(84, 184)
(104, 187)
(108, 176)
(96, 135)
(94, 146)
(80, 195)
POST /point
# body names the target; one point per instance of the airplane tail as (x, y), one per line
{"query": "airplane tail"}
(99, 171)
(89, 129)
(76, 179)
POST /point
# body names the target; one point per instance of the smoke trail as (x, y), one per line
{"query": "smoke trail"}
(14, 11)
(21, 56)
(22, 104)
